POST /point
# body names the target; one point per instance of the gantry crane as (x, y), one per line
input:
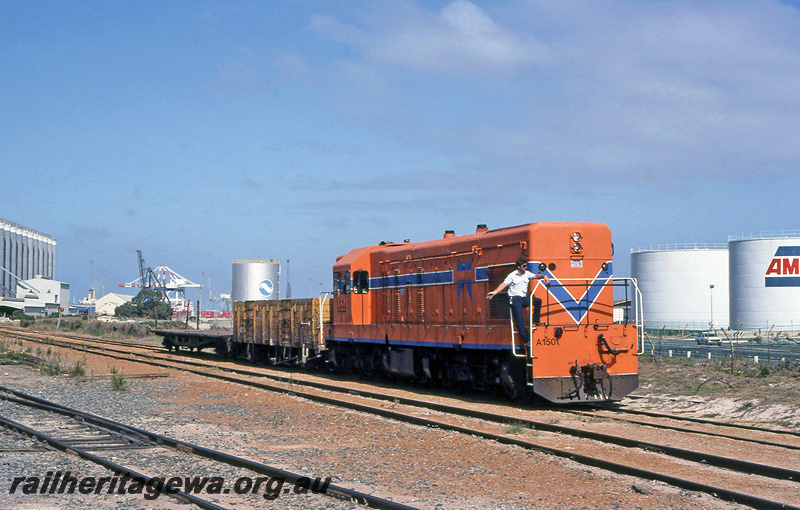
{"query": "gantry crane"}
(170, 284)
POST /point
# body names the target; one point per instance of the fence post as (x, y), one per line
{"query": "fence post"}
(730, 342)
(770, 331)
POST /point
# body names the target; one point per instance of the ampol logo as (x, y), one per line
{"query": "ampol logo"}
(784, 270)
(266, 287)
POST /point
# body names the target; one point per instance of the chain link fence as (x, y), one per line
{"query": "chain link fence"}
(771, 345)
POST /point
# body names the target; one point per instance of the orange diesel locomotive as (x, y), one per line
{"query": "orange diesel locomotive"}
(420, 310)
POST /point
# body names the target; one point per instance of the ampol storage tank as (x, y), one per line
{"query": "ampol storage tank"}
(683, 286)
(255, 280)
(765, 280)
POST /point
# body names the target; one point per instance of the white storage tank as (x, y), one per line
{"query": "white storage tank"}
(765, 280)
(256, 280)
(683, 286)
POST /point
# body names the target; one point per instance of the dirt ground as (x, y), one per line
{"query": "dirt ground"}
(742, 391)
(440, 469)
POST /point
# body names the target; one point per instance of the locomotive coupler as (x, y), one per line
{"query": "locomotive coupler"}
(590, 377)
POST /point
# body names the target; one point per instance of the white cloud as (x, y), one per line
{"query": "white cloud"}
(460, 38)
(673, 90)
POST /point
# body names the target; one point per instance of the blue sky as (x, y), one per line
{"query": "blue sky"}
(202, 132)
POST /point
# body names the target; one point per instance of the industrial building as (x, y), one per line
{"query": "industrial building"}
(24, 254)
(107, 305)
(27, 272)
(41, 297)
(750, 283)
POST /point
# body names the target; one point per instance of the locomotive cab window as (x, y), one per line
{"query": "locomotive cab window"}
(498, 307)
(360, 282)
(346, 283)
(336, 283)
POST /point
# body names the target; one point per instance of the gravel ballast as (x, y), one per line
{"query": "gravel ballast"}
(416, 466)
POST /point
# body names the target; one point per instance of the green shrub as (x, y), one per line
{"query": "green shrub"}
(77, 370)
(118, 382)
(515, 427)
(51, 367)
(19, 314)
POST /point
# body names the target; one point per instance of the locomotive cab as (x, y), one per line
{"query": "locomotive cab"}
(351, 309)
(352, 301)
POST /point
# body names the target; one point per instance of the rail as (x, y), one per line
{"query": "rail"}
(690, 455)
(219, 456)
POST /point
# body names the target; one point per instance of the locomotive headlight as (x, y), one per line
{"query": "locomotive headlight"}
(576, 247)
(576, 236)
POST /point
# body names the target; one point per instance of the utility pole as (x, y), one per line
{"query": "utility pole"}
(711, 290)
(90, 297)
(288, 282)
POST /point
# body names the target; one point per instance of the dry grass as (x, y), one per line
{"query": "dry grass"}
(747, 380)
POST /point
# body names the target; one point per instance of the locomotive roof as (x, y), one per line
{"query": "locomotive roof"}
(452, 243)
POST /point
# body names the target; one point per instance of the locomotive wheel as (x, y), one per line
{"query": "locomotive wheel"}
(221, 349)
(375, 362)
(512, 377)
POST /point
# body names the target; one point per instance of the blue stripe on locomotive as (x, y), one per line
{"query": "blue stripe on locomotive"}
(411, 280)
(409, 343)
(577, 308)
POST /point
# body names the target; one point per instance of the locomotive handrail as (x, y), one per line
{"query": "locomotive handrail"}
(530, 327)
(638, 318)
(322, 297)
(454, 253)
(636, 302)
(444, 321)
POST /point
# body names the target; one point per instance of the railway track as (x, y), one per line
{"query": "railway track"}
(724, 476)
(86, 432)
(609, 411)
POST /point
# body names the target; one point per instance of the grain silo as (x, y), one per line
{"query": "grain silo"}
(765, 280)
(24, 254)
(683, 286)
(256, 280)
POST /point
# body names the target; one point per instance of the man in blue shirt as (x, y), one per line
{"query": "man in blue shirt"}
(517, 284)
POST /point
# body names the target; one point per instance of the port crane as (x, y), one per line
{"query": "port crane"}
(163, 279)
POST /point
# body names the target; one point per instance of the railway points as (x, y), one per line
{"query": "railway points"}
(118, 436)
